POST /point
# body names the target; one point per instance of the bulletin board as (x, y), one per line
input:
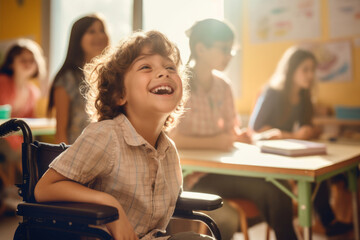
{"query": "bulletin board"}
(274, 20)
(344, 18)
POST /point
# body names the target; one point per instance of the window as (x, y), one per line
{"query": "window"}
(174, 17)
(117, 14)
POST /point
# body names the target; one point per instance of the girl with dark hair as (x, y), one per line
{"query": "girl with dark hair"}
(88, 38)
(210, 123)
(287, 99)
(286, 109)
(23, 61)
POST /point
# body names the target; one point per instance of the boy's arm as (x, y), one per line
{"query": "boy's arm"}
(53, 186)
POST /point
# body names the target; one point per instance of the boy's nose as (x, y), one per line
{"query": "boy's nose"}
(163, 73)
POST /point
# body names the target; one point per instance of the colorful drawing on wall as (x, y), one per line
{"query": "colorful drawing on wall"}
(344, 18)
(334, 61)
(274, 20)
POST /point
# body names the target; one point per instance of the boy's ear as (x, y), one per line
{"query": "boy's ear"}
(121, 101)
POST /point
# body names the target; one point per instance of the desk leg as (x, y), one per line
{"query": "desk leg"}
(353, 188)
(304, 207)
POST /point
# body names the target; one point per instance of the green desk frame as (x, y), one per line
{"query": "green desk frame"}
(305, 195)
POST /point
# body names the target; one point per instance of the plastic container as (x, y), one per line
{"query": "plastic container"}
(5, 111)
(347, 112)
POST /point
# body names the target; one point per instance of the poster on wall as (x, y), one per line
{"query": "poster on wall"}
(344, 18)
(334, 61)
(276, 20)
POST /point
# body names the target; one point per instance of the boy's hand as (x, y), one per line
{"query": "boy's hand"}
(121, 229)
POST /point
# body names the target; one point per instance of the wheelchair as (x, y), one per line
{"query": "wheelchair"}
(73, 220)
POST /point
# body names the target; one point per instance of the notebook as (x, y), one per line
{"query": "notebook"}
(292, 147)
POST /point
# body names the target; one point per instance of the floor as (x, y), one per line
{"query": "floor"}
(9, 223)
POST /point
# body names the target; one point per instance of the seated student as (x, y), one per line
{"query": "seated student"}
(286, 105)
(23, 62)
(125, 159)
(210, 123)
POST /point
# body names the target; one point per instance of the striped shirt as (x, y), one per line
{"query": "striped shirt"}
(110, 156)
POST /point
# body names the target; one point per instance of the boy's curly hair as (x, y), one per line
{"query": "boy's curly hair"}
(104, 76)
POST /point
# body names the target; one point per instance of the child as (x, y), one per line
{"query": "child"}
(125, 159)
(286, 102)
(286, 106)
(23, 62)
(210, 123)
(88, 38)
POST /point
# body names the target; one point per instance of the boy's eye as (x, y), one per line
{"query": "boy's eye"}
(172, 68)
(144, 67)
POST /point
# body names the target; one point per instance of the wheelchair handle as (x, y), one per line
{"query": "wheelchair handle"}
(13, 125)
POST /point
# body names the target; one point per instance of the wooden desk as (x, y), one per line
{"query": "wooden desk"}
(335, 121)
(39, 126)
(247, 160)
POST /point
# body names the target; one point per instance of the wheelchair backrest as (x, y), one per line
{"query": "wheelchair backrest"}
(42, 154)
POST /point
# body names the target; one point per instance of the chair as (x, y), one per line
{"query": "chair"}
(70, 220)
(246, 210)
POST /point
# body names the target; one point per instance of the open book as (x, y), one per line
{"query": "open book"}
(292, 147)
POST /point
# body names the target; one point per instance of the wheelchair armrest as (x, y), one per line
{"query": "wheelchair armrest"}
(74, 212)
(188, 201)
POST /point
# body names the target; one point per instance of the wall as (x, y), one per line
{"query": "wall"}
(259, 62)
(23, 20)
(20, 20)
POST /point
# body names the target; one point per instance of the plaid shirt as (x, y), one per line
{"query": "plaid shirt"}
(209, 113)
(110, 156)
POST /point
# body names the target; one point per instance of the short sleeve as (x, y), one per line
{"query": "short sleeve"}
(90, 156)
(263, 110)
(69, 82)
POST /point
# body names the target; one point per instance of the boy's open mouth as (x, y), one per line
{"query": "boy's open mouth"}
(162, 90)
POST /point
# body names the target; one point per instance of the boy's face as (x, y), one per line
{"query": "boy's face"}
(152, 86)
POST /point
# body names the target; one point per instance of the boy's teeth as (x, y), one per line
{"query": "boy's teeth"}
(162, 90)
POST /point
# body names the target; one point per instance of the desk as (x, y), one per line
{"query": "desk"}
(247, 160)
(39, 126)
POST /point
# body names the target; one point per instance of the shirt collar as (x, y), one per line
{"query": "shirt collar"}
(132, 138)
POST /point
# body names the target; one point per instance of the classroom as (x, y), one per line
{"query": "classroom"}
(213, 83)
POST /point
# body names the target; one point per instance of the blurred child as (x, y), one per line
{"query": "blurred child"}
(125, 159)
(23, 62)
(286, 103)
(88, 38)
(286, 107)
(210, 123)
